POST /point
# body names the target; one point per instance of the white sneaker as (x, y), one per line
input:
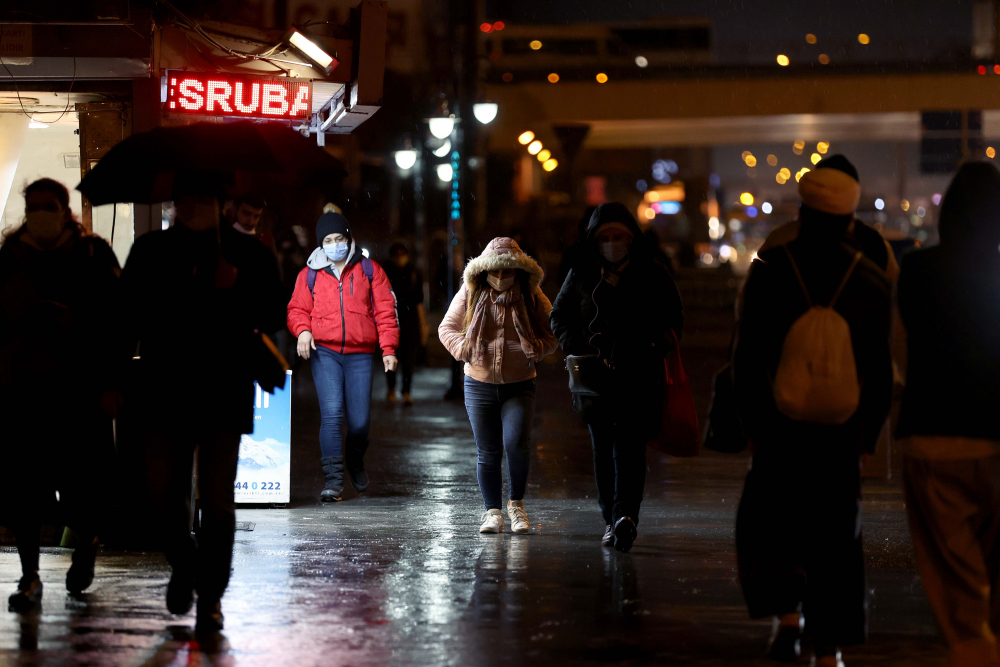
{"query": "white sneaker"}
(492, 522)
(518, 517)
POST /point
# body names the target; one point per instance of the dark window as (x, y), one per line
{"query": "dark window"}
(630, 40)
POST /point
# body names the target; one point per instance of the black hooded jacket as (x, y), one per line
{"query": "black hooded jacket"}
(949, 300)
(633, 319)
(773, 300)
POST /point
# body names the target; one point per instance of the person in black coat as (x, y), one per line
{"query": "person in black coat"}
(194, 298)
(619, 303)
(798, 534)
(57, 297)
(949, 301)
(408, 287)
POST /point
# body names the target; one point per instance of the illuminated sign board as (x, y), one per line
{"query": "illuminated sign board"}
(208, 94)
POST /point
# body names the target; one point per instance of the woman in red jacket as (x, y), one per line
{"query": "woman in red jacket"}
(341, 310)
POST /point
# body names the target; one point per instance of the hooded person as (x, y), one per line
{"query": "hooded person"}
(498, 324)
(949, 301)
(830, 194)
(798, 535)
(621, 304)
(343, 309)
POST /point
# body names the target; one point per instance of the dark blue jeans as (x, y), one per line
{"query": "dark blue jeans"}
(344, 386)
(619, 463)
(501, 416)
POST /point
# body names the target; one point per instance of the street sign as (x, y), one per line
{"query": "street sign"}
(234, 95)
(263, 474)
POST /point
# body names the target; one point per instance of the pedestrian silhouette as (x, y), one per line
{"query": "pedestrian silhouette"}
(196, 298)
(57, 298)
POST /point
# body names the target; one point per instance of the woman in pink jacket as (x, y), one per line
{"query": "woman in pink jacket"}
(498, 324)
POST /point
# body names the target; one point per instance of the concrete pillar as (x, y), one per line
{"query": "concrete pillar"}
(13, 131)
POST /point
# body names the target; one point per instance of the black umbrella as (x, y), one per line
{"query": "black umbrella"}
(141, 168)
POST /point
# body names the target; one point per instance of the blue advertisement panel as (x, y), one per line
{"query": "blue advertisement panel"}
(264, 471)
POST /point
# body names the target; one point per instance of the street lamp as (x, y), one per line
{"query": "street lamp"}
(442, 127)
(445, 172)
(406, 158)
(311, 51)
(485, 112)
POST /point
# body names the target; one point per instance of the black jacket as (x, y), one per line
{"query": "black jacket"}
(57, 321)
(773, 300)
(193, 337)
(632, 319)
(949, 300)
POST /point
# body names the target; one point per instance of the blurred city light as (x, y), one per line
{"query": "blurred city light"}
(713, 223)
(534, 147)
(507, 77)
(602, 78)
(485, 112)
(783, 60)
(815, 157)
(550, 164)
(811, 38)
(766, 207)
(653, 195)
(499, 25)
(801, 172)
(725, 252)
(535, 44)
(442, 127)
(752, 211)
(822, 147)
(936, 198)
(780, 178)
(750, 160)
(798, 146)
(905, 205)
(405, 159)
(641, 61)
(444, 149)
(486, 27)
(641, 185)
(525, 138)
(863, 38)
(553, 78)
(746, 199)
(772, 160)
(544, 155)
(445, 172)
(981, 69)
(824, 59)
(879, 204)
(706, 258)
(991, 152)
(735, 225)
(921, 211)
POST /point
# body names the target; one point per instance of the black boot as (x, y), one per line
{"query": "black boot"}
(333, 468)
(81, 573)
(625, 534)
(209, 617)
(356, 469)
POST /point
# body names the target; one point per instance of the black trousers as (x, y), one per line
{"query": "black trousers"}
(619, 464)
(169, 463)
(799, 545)
(406, 354)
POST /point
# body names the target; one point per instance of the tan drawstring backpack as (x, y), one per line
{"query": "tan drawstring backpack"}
(817, 378)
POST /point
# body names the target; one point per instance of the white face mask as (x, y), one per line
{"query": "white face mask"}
(249, 232)
(45, 226)
(614, 251)
(500, 285)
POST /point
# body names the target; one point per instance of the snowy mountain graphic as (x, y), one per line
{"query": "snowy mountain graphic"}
(264, 455)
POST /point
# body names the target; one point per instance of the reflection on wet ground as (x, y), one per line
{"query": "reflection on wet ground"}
(401, 576)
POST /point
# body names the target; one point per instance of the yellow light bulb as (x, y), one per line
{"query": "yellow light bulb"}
(863, 38)
(544, 155)
(534, 147)
(746, 199)
(815, 157)
(526, 138)
(750, 160)
(553, 78)
(534, 44)
(822, 147)
(783, 60)
(602, 78)
(549, 164)
(991, 152)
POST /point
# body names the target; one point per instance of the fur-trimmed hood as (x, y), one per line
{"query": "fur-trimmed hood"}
(502, 253)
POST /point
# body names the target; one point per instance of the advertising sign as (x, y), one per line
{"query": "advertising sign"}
(235, 95)
(263, 474)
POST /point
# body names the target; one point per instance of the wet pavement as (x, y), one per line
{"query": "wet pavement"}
(400, 576)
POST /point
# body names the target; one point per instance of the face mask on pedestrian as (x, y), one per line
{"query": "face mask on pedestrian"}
(337, 252)
(500, 284)
(45, 226)
(614, 251)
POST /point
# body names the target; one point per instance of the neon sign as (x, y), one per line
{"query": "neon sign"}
(208, 94)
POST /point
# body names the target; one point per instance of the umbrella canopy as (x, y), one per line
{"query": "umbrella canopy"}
(141, 168)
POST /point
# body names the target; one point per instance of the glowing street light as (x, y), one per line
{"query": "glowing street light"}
(311, 51)
(405, 159)
(534, 147)
(544, 155)
(442, 127)
(526, 138)
(746, 199)
(485, 112)
(445, 172)
(550, 164)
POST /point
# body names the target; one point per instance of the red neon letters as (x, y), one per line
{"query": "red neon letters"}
(206, 94)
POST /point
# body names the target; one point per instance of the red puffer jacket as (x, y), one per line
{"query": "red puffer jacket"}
(339, 313)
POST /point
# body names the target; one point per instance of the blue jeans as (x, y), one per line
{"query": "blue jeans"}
(501, 416)
(344, 385)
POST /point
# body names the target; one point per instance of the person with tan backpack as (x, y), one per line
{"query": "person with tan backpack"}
(812, 379)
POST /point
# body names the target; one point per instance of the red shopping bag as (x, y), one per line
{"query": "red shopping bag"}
(679, 433)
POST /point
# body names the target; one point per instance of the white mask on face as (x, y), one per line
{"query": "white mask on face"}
(45, 226)
(614, 251)
(500, 285)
